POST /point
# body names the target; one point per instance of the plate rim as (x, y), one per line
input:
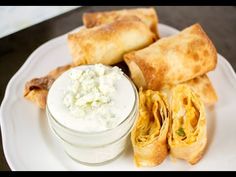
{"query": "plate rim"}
(32, 58)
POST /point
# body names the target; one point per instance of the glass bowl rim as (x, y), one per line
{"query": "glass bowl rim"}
(133, 110)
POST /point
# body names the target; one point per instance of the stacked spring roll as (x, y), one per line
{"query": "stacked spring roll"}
(106, 44)
(185, 57)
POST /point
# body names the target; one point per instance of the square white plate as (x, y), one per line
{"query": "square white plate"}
(29, 144)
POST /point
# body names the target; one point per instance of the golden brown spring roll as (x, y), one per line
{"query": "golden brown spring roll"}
(36, 90)
(187, 135)
(147, 15)
(173, 60)
(202, 86)
(108, 43)
(149, 135)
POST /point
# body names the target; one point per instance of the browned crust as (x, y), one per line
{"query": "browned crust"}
(83, 44)
(198, 157)
(136, 74)
(194, 159)
(36, 90)
(38, 96)
(105, 31)
(147, 15)
(154, 76)
(197, 29)
(90, 20)
(204, 88)
(196, 57)
(152, 155)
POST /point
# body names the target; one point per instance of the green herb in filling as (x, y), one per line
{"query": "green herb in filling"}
(180, 132)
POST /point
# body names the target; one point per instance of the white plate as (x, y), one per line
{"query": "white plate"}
(29, 144)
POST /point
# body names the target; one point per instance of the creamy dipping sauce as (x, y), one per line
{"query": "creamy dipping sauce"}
(91, 98)
(91, 110)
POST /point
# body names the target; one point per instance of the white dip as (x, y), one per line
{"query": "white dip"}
(91, 98)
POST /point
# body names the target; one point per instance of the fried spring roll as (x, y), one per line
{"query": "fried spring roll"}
(173, 60)
(108, 43)
(105, 44)
(146, 15)
(36, 90)
(188, 135)
(149, 135)
(202, 86)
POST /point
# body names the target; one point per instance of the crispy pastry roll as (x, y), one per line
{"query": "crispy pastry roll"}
(173, 60)
(147, 15)
(36, 90)
(104, 44)
(202, 86)
(149, 135)
(187, 135)
(108, 43)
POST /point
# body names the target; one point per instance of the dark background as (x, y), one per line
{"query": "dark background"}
(218, 22)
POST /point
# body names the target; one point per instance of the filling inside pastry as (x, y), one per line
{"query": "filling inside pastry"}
(185, 117)
(153, 111)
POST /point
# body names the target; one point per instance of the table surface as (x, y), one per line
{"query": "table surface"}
(218, 22)
(29, 15)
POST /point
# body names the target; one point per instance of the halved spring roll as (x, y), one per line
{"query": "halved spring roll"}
(187, 135)
(108, 43)
(173, 60)
(149, 135)
(147, 15)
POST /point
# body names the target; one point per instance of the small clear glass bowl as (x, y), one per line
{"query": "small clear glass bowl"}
(97, 147)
